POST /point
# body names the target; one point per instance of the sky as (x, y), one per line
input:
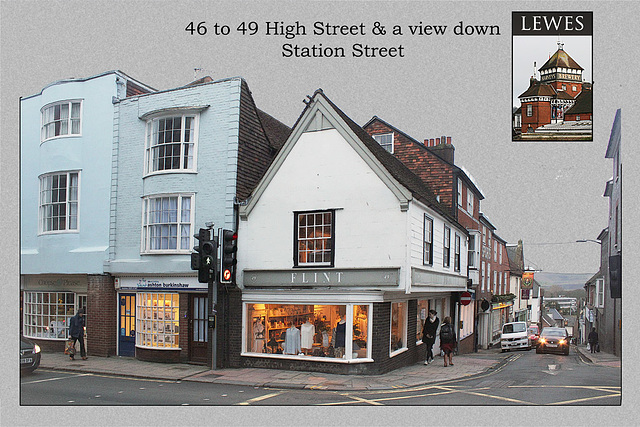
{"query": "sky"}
(547, 194)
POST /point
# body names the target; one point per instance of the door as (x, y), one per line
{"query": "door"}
(198, 328)
(127, 325)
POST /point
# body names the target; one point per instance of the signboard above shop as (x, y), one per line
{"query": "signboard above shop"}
(160, 283)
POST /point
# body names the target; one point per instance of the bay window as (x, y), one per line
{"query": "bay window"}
(60, 119)
(47, 314)
(166, 223)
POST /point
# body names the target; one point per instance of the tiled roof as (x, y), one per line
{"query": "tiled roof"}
(561, 59)
(277, 132)
(563, 95)
(583, 104)
(539, 89)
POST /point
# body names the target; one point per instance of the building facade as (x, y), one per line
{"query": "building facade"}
(336, 279)
(182, 160)
(66, 134)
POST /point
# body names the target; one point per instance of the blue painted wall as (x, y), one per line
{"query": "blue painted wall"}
(84, 250)
(213, 183)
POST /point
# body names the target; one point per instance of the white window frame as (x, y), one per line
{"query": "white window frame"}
(145, 244)
(488, 277)
(483, 276)
(446, 247)
(69, 120)
(500, 254)
(459, 192)
(155, 324)
(469, 202)
(495, 250)
(38, 324)
(384, 144)
(474, 243)
(152, 132)
(427, 246)
(46, 204)
(599, 293)
(301, 241)
(405, 326)
(457, 261)
(529, 110)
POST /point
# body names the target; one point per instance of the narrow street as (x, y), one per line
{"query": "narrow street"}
(524, 378)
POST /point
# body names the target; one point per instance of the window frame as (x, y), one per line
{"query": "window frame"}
(405, 327)
(427, 220)
(149, 135)
(145, 235)
(380, 135)
(473, 249)
(331, 240)
(446, 247)
(31, 300)
(529, 110)
(145, 325)
(68, 202)
(70, 103)
(456, 254)
(599, 303)
(460, 192)
(470, 202)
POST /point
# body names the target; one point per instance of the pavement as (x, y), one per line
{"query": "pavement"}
(410, 376)
(601, 358)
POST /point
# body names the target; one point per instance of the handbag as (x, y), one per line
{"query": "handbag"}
(598, 348)
(70, 347)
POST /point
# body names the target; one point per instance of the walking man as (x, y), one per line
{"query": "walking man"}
(76, 332)
(429, 334)
(593, 340)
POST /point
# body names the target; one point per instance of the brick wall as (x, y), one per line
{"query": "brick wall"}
(102, 315)
(229, 327)
(541, 115)
(185, 338)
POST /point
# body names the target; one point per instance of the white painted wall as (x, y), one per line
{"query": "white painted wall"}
(323, 171)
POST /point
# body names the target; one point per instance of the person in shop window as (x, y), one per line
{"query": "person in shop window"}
(429, 331)
(76, 332)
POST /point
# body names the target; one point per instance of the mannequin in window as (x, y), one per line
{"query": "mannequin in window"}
(258, 335)
(339, 337)
(292, 340)
(307, 331)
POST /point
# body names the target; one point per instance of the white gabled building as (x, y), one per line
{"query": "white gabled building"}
(343, 249)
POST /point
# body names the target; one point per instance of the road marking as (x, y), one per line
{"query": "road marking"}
(55, 379)
(259, 398)
(508, 399)
(369, 401)
(585, 399)
(382, 399)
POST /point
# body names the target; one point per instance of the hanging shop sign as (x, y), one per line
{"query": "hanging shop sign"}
(527, 280)
(159, 283)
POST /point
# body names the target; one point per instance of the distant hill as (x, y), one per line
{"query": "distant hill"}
(568, 281)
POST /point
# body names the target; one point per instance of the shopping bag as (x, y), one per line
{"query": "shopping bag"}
(598, 348)
(588, 346)
(70, 347)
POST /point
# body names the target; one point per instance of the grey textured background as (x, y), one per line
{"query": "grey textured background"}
(446, 85)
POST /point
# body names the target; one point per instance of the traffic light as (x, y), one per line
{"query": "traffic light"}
(228, 255)
(204, 258)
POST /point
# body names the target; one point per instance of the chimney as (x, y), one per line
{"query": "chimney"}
(443, 148)
(519, 255)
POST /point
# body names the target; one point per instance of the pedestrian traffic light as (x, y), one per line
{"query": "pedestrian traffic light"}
(204, 258)
(228, 255)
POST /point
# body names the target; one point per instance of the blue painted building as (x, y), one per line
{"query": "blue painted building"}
(66, 135)
(182, 158)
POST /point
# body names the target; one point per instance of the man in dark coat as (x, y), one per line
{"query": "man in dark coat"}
(76, 332)
(429, 334)
(593, 340)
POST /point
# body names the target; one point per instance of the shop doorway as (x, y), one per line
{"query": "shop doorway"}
(198, 328)
(127, 325)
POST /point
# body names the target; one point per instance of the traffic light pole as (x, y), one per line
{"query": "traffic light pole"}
(213, 300)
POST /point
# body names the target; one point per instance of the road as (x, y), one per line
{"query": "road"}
(524, 378)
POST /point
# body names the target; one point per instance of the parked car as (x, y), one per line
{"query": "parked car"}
(534, 334)
(514, 335)
(29, 355)
(553, 340)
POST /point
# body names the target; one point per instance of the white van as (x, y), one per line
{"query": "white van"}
(514, 335)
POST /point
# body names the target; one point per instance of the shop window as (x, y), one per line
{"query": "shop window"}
(423, 313)
(58, 202)
(47, 314)
(398, 327)
(308, 330)
(314, 238)
(171, 143)
(60, 119)
(157, 320)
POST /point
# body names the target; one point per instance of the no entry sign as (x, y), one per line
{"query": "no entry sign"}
(465, 298)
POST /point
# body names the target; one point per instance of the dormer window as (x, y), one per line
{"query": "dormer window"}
(385, 140)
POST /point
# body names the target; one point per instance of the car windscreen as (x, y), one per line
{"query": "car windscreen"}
(510, 328)
(533, 331)
(553, 333)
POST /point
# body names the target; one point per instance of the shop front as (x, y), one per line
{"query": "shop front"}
(162, 318)
(47, 304)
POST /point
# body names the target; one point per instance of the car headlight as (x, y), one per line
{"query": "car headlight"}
(562, 342)
(542, 341)
(36, 348)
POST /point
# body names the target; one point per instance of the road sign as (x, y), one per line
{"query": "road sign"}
(465, 298)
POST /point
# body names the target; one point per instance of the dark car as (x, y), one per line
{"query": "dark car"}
(534, 334)
(29, 355)
(553, 340)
